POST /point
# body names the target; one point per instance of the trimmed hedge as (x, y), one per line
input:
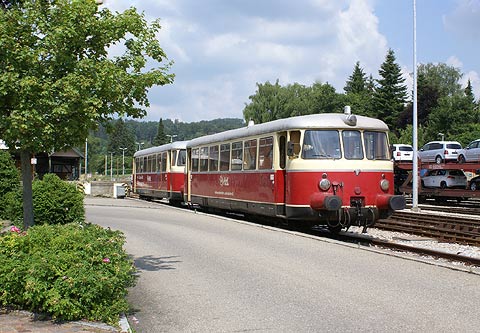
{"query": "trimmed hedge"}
(70, 272)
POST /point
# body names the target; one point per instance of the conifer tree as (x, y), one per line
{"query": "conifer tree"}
(391, 94)
(161, 137)
(357, 82)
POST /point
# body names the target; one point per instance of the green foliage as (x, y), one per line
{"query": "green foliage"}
(390, 95)
(273, 101)
(57, 202)
(9, 179)
(161, 137)
(121, 136)
(57, 80)
(69, 271)
(54, 202)
(357, 82)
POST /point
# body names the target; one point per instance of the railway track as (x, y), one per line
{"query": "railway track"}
(443, 227)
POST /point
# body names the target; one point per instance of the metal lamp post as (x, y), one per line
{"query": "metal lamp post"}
(123, 160)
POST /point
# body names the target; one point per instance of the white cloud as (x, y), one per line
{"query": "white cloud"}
(464, 20)
(454, 62)
(218, 60)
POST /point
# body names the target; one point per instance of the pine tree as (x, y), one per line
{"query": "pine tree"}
(469, 93)
(160, 138)
(357, 82)
(391, 94)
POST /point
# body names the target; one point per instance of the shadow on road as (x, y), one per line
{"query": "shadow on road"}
(151, 263)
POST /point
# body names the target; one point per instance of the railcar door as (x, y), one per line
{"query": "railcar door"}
(281, 176)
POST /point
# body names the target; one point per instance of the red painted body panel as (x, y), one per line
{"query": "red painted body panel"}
(247, 186)
(163, 182)
(301, 186)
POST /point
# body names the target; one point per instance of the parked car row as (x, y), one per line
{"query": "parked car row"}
(439, 152)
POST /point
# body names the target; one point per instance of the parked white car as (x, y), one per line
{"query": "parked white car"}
(444, 179)
(471, 153)
(440, 151)
(402, 152)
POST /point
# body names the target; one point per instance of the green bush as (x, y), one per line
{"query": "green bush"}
(54, 202)
(9, 179)
(68, 271)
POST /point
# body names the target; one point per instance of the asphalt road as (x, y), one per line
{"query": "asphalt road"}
(200, 273)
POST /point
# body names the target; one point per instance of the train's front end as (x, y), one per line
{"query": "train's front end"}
(341, 174)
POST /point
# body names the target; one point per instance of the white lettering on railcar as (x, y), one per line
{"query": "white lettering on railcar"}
(224, 193)
(224, 181)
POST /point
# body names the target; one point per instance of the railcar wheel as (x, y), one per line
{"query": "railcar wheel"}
(438, 159)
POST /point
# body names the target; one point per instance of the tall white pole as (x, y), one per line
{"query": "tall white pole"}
(415, 114)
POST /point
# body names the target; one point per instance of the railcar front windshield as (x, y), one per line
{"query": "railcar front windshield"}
(321, 145)
(325, 144)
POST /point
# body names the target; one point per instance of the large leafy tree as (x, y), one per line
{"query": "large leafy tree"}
(57, 78)
(266, 104)
(391, 93)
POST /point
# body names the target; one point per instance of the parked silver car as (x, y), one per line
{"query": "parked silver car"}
(440, 151)
(444, 179)
(471, 153)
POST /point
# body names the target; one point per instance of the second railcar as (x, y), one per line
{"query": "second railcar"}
(159, 172)
(323, 169)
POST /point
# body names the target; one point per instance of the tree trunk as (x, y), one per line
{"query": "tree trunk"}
(27, 189)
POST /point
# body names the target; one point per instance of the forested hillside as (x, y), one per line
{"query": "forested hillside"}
(110, 141)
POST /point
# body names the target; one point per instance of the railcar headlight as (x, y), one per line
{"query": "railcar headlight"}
(324, 184)
(384, 184)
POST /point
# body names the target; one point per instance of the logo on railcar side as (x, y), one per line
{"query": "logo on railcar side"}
(224, 181)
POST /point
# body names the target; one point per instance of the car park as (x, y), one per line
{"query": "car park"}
(471, 153)
(444, 179)
(440, 151)
(402, 152)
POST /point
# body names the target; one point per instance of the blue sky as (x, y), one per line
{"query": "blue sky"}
(222, 48)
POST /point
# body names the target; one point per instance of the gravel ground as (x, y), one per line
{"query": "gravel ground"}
(420, 241)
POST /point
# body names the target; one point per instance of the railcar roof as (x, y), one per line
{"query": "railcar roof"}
(312, 121)
(158, 149)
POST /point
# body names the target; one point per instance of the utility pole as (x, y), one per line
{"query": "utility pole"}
(171, 137)
(123, 160)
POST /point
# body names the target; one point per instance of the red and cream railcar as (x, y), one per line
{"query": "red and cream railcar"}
(159, 172)
(322, 169)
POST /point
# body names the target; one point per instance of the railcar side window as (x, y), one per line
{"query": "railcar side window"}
(321, 145)
(237, 154)
(204, 159)
(213, 161)
(150, 163)
(225, 157)
(182, 157)
(195, 160)
(250, 155)
(144, 164)
(174, 157)
(265, 153)
(376, 147)
(352, 145)
(157, 165)
(164, 162)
